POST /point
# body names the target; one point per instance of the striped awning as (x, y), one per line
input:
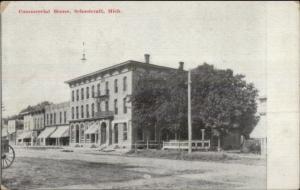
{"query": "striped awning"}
(46, 132)
(92, 129)
(61, 131)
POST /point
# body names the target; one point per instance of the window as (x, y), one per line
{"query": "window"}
(106, 105)
(42, 122)
(116, 85)
(116, 106)
(82, 93)
(98, 107)
(51, 119)
(87, 111)
(77, 113)
(72, 112)
(124, 105)
(65, 116)
(47, 119)
(106, 88)
(93, 91)
(98, 89)
(60, 117)
(125, 132)
(87, 92)
(54, 122)
(77, 94)
(82, 112)
(124, 83)
(73, 96)
(93, 110)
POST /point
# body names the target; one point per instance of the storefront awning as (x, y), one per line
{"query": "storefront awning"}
(25, 135)
(46, 132)
(62, 131)
(92, 129)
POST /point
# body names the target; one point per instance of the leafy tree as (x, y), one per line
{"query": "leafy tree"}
(223, 101)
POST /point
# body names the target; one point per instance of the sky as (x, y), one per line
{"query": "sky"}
(41, 51)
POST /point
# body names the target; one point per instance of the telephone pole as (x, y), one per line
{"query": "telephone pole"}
(189, 113)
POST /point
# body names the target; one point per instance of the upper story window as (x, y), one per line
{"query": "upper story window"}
(124, 106)
(47, 119)
(106, 88)
(106, 106)
(93, 91)
(98, 107)
(51, 119)
(60, 117)
(93, 110)
(73, 96)
(87, 92)
(98, 89)
(116, 85)
(116, 106)
(65, 116)
(54, 118)
(124, 83)
(77, 112)
(82, 93)
(77, 95)
(87, 111)
(82, 112)
(72, 112)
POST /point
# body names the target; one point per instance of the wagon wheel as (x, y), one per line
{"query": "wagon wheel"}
(8, 157)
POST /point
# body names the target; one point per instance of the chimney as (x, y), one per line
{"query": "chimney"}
(147, 58)
(181, 64)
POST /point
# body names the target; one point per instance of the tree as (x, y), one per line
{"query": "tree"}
(159, 100)
(223, 101)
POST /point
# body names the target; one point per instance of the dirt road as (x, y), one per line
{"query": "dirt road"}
(124, 172)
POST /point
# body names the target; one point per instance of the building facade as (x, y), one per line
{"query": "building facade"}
(34, 123)
(56, 130)
(100, 111)
(15, 128)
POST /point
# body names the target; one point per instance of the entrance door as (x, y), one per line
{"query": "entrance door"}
(116, 131)
(77, 134)
(110, 135)
(103, 133)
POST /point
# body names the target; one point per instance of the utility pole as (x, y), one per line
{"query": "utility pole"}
(189, 113)
(1, 101)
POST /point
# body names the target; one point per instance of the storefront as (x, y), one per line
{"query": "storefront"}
(61, 136)
(43, 138)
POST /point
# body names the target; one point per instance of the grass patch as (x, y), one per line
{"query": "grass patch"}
(194, 156)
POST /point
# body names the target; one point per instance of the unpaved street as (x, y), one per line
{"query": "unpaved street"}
(51, 169)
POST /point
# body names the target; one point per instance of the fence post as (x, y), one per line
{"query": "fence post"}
(147, 144)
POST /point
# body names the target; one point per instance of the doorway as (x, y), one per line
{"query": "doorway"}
(116, 131)
(103, 133)
(77, 134)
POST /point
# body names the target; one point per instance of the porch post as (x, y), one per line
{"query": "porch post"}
(202, 133)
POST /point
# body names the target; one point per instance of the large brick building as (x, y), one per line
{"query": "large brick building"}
(100, 112)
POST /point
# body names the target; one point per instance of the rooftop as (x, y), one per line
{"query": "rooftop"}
(123, 64)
